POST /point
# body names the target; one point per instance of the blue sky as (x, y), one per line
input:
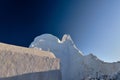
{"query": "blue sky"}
(94, 25)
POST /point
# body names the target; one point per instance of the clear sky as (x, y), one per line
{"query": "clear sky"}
(94, 25)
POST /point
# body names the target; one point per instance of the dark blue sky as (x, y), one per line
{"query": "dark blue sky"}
(93, 24)
(22, 20)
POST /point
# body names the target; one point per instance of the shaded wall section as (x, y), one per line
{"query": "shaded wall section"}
(47, 75)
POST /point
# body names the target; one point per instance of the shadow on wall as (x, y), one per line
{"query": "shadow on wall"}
(48, 75)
